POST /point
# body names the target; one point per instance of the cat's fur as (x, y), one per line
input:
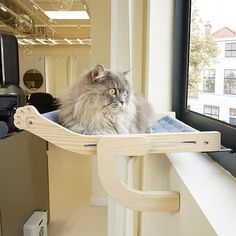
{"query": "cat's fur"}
(88, 107)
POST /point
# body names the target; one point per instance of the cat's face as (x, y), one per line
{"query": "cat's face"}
(110, 90)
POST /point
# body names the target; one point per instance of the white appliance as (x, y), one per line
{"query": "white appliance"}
(36, 225)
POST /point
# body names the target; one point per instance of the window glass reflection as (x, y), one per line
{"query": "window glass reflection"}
(212, 59)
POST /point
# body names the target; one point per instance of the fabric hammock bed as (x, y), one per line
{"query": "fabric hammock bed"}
(170, 135)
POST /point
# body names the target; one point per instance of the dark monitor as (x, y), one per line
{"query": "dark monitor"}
(9, 60)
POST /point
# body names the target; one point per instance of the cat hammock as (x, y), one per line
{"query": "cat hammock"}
(107, 147)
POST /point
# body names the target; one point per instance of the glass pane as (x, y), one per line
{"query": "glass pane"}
(227, 86)
(209, 86)
(228, 46)
(233, 53)
(215, 110)
(227, 73)
(232, 73)
(212, 73)
(212, 59)
(233, 90)
(233, 46)
(207, 109)
(232, 111)
(215, 116)
(232, 120)
(228, 53)
(206, 73)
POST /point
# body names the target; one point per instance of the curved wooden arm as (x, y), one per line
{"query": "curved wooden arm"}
(107, 150)
(28, 118)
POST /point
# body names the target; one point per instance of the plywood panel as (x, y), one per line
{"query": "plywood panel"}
(23, 180)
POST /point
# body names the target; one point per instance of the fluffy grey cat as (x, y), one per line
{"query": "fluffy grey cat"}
(102, 102)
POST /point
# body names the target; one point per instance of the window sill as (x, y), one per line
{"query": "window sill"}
(213, 189)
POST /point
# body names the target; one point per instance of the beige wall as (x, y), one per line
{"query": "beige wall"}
(101, 32)
(57, 50)
(100, 54)
(27, 63)
(60, 65)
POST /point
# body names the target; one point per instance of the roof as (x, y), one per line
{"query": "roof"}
(224, 32)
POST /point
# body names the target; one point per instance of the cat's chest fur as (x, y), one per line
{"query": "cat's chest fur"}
(106, 121)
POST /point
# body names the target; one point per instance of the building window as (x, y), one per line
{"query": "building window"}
(211, 111)
(232, 116)
(209, 76)
(230, 50)
(230, 82)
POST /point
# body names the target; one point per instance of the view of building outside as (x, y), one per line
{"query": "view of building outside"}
(212, 66)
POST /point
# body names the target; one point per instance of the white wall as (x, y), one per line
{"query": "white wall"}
(158, 86)
(161, 175)
(160, 54)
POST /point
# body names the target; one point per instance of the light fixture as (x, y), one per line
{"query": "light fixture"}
(67, 40)
(87, 41)
(62, 5)
(20, 42)
(67, 15)
(80, 41)
(85, 26)
(35, 7)
(29, 41)
(3, 9)
(52, 41)
(41, 41)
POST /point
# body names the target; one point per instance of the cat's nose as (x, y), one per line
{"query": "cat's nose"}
(122, 103)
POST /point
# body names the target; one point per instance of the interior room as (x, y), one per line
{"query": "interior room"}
(176, 178)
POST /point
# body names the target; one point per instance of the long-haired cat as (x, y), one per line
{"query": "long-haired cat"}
(102, 102)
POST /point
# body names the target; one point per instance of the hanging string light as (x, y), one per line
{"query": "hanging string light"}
(24, 23)
(27, 50)
(62, 5)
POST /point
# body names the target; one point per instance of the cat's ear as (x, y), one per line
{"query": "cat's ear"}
(97, 72)
(127, 75)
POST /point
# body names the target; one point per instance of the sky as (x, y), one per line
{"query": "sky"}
(219, 13)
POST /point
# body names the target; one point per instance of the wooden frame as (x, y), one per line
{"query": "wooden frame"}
(108, 147)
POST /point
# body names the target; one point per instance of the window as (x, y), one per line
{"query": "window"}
(230, 82)
(230, 50)
(209, 80)
(186, 70)
(232, 116)
(211, 111)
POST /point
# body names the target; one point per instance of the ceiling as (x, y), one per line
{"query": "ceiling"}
(28, 21)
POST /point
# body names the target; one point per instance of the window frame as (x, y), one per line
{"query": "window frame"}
(231, 51)
(209, 78)
(232, 116)
(199, 121)
(231, 79)
(211, 114)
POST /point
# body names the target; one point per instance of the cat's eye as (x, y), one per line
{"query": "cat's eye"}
(112, 91)
(125, 94)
